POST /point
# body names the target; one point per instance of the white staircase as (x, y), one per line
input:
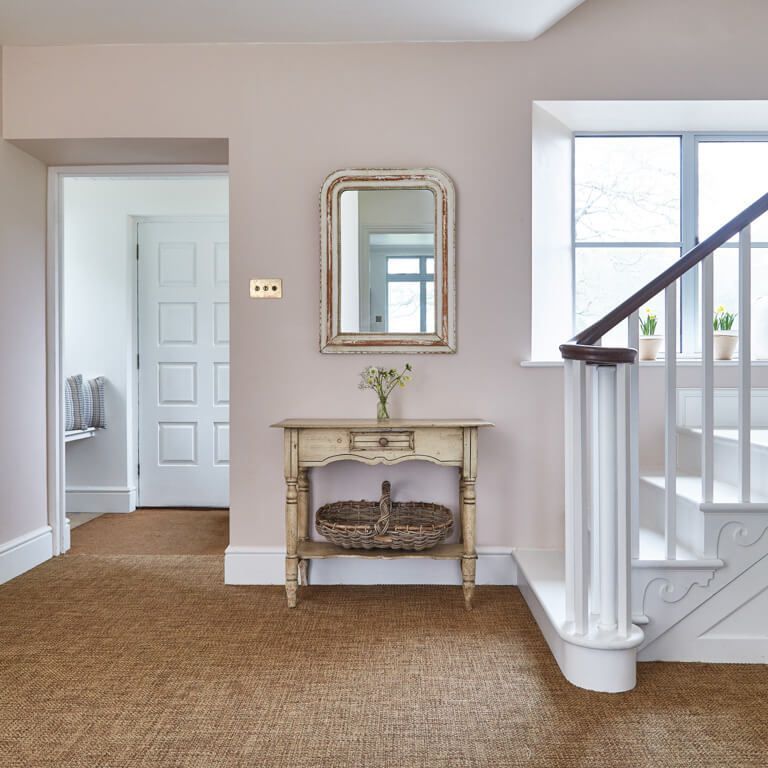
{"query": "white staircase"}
(657, 567)
(717, 609)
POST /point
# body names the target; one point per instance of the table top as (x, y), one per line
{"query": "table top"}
(376, 424)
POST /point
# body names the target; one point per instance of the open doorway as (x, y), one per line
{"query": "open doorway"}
(142, 282)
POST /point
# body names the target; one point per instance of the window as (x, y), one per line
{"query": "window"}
(636, 209)
(731, 175)
(406, 262)
(627, 221)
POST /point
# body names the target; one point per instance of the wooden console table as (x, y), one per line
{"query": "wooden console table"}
(317, 442)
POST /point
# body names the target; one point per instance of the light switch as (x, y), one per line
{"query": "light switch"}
(267, 288)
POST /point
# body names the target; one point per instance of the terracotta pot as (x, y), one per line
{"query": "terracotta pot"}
(725, 344)
(650, 346)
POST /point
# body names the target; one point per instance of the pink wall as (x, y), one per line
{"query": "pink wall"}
(295, 113)
(22, 344)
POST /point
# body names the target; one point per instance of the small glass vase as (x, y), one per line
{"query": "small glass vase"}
(382, 414)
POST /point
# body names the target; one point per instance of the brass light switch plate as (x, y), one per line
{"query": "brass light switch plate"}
(267, 288)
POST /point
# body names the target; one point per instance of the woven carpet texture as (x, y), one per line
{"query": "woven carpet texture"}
(149, 660)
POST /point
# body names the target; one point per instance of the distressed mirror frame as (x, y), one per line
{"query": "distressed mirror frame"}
(332, 339)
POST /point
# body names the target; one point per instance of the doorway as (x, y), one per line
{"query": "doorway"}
(138, 304)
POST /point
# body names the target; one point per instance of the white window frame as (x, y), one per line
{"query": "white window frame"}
(688, 295)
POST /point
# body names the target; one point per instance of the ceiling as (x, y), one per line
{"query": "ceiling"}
(71, 22)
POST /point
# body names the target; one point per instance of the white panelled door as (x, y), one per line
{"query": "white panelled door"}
(183, 308)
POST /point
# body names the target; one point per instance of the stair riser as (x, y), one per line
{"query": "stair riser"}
(690, 520)
(726, 461)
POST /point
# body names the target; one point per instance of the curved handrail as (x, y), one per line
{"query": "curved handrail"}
(583, 346)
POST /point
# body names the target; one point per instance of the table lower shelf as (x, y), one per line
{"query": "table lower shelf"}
(319, 550)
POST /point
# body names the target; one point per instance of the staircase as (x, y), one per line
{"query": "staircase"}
(667, 566)
(717, 610)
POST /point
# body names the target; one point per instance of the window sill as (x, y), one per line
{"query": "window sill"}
(691, 362)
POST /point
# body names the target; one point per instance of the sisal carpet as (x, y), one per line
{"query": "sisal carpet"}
(155, 532)
(149, 661)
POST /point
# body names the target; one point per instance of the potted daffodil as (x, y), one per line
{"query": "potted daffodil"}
(650, 343)
(725, 337)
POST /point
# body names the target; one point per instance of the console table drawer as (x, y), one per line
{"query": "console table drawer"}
(378, 441)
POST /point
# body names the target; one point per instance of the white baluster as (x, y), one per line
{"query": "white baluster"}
(707, 381)
(670, 421)
(606, 384)
(594, 496)
(745, 364)
(624, 529)
(576, 509)
(634, 436)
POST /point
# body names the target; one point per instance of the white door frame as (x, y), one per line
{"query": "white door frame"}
(54, 375)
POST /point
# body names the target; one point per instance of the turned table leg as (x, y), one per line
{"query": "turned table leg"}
(291, 515)
(303, 521)
(467, 506)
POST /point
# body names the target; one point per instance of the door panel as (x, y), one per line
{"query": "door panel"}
(183, 308)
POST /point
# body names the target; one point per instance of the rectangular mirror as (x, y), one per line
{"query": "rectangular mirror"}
(388, 280)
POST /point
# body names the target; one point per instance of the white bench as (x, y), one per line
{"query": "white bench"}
(73, 435)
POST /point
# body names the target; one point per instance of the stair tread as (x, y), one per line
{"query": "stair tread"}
(689, 487)
(544, 570)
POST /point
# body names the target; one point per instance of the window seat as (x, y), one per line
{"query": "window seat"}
(73, 435)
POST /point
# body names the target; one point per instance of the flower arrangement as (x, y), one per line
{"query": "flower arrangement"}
(648, 324)
(722, 319)
(382, 381)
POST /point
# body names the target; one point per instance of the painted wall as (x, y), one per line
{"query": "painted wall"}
(551, 235)
(295, 113)
(22, 344)
(99, 304)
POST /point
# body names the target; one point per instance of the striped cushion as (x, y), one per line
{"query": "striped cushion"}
(93, 403)
(73, 403)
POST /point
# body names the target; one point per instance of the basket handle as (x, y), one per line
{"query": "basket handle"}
(385, 505)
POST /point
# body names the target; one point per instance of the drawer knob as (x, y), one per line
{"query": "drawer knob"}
(383, 442)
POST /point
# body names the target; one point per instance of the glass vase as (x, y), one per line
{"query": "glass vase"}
(382, 414)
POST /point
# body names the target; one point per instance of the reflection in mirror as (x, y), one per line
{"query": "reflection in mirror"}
(387, 273)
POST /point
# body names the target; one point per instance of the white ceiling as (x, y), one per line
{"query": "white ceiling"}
(69, 22)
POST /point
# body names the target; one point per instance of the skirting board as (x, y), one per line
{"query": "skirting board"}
(96, 499)
(25, 552)
(266, 565)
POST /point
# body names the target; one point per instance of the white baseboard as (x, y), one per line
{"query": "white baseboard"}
(25, 552)
(100, 499)
(266, 565)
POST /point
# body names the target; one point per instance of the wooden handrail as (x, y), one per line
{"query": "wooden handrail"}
(583, 345)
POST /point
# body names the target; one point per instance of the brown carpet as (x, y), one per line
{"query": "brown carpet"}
(154, 532)
(150, 661)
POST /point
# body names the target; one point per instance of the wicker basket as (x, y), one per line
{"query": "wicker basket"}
(384, 524)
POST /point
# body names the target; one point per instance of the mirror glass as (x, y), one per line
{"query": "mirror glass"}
(387, 261)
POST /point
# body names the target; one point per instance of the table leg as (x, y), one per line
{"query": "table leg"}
(303, 522)
(467, 506)
(291, 516)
